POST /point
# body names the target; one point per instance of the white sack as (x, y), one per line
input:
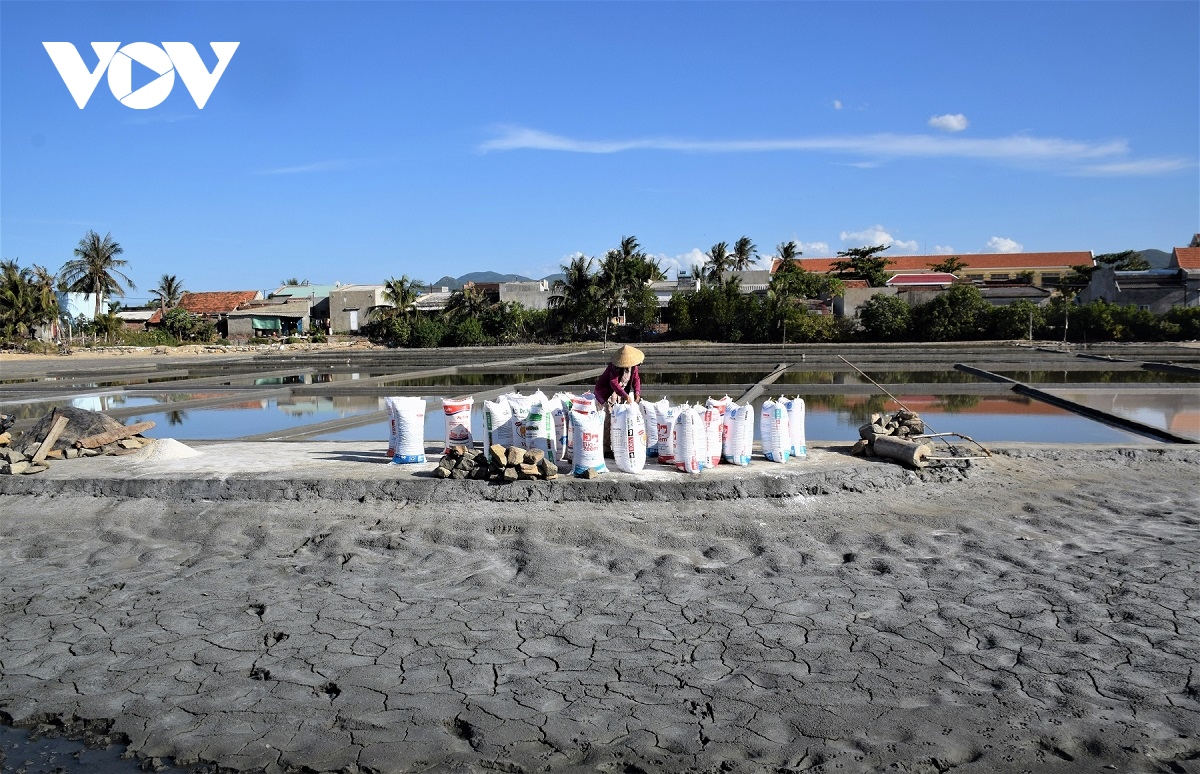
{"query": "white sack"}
(628, 438)
(589, 442)
(408, 419)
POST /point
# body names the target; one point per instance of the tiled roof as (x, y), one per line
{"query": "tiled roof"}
(928, 278)
(215, 302)
(973, 261)
(1188, 258)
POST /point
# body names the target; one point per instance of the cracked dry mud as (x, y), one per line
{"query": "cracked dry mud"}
(1032, 615)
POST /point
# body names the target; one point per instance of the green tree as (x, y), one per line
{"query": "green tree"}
(960, 313)
(399, 294)
(574, 306)
(427, 332)
(1019, 320)
(744, 252)
(168, 292)
(467, 302)
(864, 263)
(1127, 260)
(950, 265)
(718, 261)
(96, 269)
(886, 318)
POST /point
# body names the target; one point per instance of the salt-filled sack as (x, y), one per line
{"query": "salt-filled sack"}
(795, 408)
(666, 431)
(628, 438)
(773, 427)
(458, 422)
(520, 405)
(739, 433)
(585, 403)
(560, 412)
(589, 442)
(722, 406)
(690, 447)
(539, 429)
(712, 420)
(408, 419)
(650, 418)
(497, 424)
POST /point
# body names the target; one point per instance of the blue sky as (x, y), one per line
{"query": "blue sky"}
(355, 141)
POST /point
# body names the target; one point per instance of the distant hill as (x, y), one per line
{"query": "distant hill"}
(1156, 258)
(454, 283)
(479, 277)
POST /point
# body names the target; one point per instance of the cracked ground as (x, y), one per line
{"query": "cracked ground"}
(1028, 615)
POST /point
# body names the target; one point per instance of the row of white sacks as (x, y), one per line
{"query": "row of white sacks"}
(569, 428)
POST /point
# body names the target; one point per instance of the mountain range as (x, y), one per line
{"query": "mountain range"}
(456, 283)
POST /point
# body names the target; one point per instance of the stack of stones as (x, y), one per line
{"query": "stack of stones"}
(64, 434)
(890, 438)
(511, 464)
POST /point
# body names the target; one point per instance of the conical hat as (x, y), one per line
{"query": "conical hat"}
(628, 356)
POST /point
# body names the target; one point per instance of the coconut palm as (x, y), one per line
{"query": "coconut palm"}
(27, 299)
(170, 289)
(467, 303)
(400, 293)
(787, 252)
(719, 261)
(744, 252)
(574, 300)
(96, 269)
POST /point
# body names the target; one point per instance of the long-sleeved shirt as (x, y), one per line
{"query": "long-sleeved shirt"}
(610, 383)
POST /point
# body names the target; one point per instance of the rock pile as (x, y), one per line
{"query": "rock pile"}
(890, 439)
(506, 465)
(67, 433)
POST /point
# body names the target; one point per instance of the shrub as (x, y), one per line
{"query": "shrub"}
(886, 318)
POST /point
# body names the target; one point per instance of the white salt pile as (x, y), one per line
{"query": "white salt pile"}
(163, 449)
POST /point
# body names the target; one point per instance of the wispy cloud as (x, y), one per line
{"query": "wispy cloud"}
(1083, 157)
(1135, 168)
(949, 123)
(326, 165)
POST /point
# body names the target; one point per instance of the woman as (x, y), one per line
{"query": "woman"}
(619, 382)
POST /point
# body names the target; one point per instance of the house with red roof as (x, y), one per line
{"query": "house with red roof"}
(213, 306)
(1040, 268)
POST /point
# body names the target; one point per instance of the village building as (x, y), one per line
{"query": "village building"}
(350, 306)
(1040, 269)
(270, 317)
(213, 306)
(1154, 290)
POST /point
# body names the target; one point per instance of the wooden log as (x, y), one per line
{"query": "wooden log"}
(910, 453)
(96, 441)
(56, 430)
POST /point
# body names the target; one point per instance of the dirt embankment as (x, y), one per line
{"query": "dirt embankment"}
(1038, 613)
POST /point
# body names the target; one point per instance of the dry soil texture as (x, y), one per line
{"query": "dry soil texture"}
(1034, 613)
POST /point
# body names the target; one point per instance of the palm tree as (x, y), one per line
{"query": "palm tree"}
(400, 293)
(743, 254)
(469, 302)
(575, 294)
(96, 269)
(27, 299)
(787, 252)
(611, 283)
(719, 262)
(170, 289)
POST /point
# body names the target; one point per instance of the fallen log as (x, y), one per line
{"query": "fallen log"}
(910, 453)
(128, 431)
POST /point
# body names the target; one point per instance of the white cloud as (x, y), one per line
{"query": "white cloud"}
(1106, 157)
(949, 123)
(875, 235)
(837, 104)
(1137, 168)
(943, 250)
(1003, 245)
(814, 249)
